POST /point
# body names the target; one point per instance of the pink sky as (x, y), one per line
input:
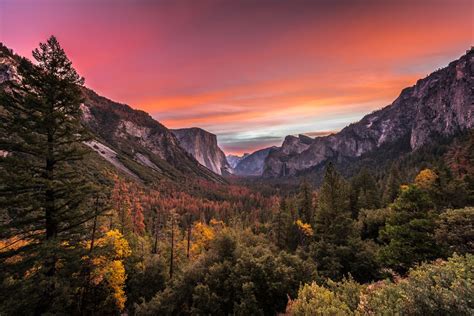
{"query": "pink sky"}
(249, 71)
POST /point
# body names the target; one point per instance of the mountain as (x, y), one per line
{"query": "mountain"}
(202, 145)
(138, 137)
(252, 164)
(439, 105)
(234, 160)
(130, 140)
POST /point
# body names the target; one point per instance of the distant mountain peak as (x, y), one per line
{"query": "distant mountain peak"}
(234, 160)
(253, 164)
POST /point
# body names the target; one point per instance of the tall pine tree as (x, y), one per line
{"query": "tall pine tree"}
(392, 185)
(364, 193)
(409, 232)
(337, 248)
(306, 210)
(43, 196)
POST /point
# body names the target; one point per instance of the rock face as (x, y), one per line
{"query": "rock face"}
(234, 160)
(131, 140)
(438, 105)
(252, 165)
(8, 64)
(137, 135)
(202, 145)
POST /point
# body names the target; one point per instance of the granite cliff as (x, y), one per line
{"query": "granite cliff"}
(203, 146)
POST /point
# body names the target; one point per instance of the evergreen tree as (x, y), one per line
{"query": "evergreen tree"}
(43, 195)
(337, 248)
(364, 193)
(333, 225)
(409, 232)
(278, 223)
(392, 185)
(306, 208)
(455, 231)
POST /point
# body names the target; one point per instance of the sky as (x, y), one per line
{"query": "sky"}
(249, 71)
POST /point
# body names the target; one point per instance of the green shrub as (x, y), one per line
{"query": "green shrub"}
(455, 231)
(438, 288)
(317, 300)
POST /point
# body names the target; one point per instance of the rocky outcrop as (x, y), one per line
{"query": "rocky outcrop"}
(8, 64)
(252, 165)
(438, 105)
(234, 160)
(202, 145)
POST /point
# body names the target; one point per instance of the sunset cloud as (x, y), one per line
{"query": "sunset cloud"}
(249, 71)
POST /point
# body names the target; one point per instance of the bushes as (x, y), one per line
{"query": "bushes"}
(441, 288)
(335, 298)
(437, 288)
(455, 230)
(317, 300)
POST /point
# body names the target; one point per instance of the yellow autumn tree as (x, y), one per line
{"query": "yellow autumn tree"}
(304, 228)
(202, 236)
(426, 179)
(108, 269)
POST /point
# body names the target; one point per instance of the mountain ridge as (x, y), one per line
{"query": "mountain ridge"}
(439, 104)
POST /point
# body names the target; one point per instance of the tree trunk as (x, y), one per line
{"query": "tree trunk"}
(155, 246)
(94, 225)
(189, 240)
(172, 247)
(51, 225)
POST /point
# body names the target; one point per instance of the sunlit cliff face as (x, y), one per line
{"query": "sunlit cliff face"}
(249, 71)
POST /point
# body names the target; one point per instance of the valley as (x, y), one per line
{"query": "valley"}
(106, 211)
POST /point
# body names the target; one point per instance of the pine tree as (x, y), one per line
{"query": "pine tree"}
(409, 232)
(332, 221)
(363, 193)
(282, 225)
(334, 230)
(43, 196)
(306, 208)
(392, 185)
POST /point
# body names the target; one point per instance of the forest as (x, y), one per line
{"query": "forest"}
(77, 237)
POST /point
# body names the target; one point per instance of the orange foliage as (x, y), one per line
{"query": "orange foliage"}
(426, 178)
